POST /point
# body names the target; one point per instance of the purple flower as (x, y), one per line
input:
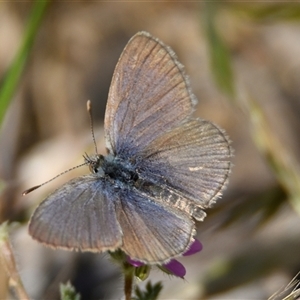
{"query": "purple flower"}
(173, 267)
(195, 248)
(134, 263)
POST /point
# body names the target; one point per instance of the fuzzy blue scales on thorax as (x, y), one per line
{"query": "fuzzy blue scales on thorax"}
(119, 172)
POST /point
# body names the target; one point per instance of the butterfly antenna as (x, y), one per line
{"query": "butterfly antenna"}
(38, 186)
(89, 109)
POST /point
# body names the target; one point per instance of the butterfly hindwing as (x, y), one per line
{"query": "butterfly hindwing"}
(193, 160)
(152, 232)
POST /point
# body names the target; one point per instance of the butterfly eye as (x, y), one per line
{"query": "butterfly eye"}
(93, 168)
(95, 163)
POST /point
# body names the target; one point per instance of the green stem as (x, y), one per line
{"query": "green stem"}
(128, 280)
(129, 271)
(14, 73)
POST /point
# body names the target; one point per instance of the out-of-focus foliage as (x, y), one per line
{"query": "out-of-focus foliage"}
(219, 54)
(68, 292)
(283, 164)
(289, 292)
(151, 292)
(268, 12)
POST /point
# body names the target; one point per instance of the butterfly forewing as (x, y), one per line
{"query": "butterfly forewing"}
(149, 95)
(80, 215)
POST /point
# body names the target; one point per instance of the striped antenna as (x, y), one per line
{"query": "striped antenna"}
(64, 172)
(89, 109)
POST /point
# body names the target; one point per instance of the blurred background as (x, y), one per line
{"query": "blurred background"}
(243, 61)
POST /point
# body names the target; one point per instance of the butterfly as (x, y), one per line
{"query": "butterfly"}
(163, 167)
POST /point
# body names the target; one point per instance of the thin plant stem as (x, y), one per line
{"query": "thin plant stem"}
(128, 280)
(9, 263)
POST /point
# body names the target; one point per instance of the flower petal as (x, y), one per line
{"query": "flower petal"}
(195, 248)
(134, 263)
(176, 268)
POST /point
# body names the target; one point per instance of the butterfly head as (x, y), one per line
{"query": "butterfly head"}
(94, 162)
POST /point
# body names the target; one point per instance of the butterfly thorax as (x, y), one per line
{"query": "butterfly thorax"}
(117, 171)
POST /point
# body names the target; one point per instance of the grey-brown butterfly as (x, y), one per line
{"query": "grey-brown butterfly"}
(163, 167)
